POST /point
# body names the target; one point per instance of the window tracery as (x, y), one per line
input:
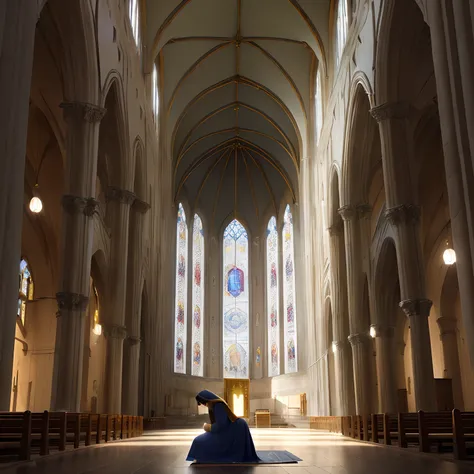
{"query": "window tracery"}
(289, 297)
(197, 342)
(235, 301)
(273, 299)
(181, 290)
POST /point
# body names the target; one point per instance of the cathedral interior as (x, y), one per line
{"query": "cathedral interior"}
(269, 199)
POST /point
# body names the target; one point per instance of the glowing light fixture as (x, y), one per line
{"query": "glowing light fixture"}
(238, 407)
(334, 347)
(449, 256)
(36, 205)
(97, 329)
(373, 332)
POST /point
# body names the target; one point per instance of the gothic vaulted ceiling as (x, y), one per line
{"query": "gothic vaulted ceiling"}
(236, 85)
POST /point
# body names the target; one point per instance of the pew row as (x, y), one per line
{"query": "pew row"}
(427, 431)
(25, 434)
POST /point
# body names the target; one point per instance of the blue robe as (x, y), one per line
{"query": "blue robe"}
(227, 442)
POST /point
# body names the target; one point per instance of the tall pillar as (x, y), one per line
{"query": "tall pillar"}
(403, 215)
(78, 208)
(17, 24)
(118, 205)
(344, 383)
(453, 71)
(131, 357)
(386, 368)
(449, 339)
(359, 337)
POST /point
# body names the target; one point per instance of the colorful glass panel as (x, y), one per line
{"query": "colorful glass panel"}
(289, 297)
(198, 297)
(25, 290)
(273, 297)
(181, 293)
(235, 301)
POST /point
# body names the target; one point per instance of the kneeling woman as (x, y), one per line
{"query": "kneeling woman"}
(227, 438)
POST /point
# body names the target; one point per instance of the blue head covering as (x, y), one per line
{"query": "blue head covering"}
(206, 397)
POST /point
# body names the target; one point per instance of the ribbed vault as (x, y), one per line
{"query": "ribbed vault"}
(236, 84)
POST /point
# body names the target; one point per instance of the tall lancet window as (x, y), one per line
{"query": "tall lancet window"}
(342, 21)
(289, 299)
(198, 297)
(155, 99)
(134, 15)
(236, 301)
(181, 291)
(318, 116)
(273, 299)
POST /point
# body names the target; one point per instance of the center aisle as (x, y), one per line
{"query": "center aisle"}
(164, 452)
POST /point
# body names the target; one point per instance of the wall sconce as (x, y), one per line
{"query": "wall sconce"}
(372, 332)
(334, 347)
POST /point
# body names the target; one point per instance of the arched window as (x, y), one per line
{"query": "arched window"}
(25, 290)
(236, 301)
(181, 291)
(342, 21)
(273, 299)
(198, 297)
(289, 300)
(318, 116)
(154, 93)
(96, 328)
(134, 15)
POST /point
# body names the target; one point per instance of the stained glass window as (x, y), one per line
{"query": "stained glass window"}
(319, 107)
(181, 293)
(342, 21)
(134, 15)
(273, 296)
(198, 297)
(25, 289)
(289, 299)
(154, 93)
(236, 301)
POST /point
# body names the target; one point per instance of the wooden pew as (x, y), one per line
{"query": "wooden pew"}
(463, 431)
(435, 428)
(15, 434)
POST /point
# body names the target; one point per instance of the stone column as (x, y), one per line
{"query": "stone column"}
(458, 142)
(78, 209)
(449, 338)
(131, 358)
(403, 215)
(342, 358)
(118, 207)
(359, 337)
(17, 24)
(386, 368)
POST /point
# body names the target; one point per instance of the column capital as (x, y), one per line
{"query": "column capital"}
(447, 325)
(140, 206)
(359, 338)
(122, 196)
(77, 205)
(416, 307)
(391, 110)
(347, 212)
(402, 214)
(336, 229)
(71, 301)
(112, 331)
(88, 112)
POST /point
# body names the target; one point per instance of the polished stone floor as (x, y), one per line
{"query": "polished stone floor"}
(164, 452)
